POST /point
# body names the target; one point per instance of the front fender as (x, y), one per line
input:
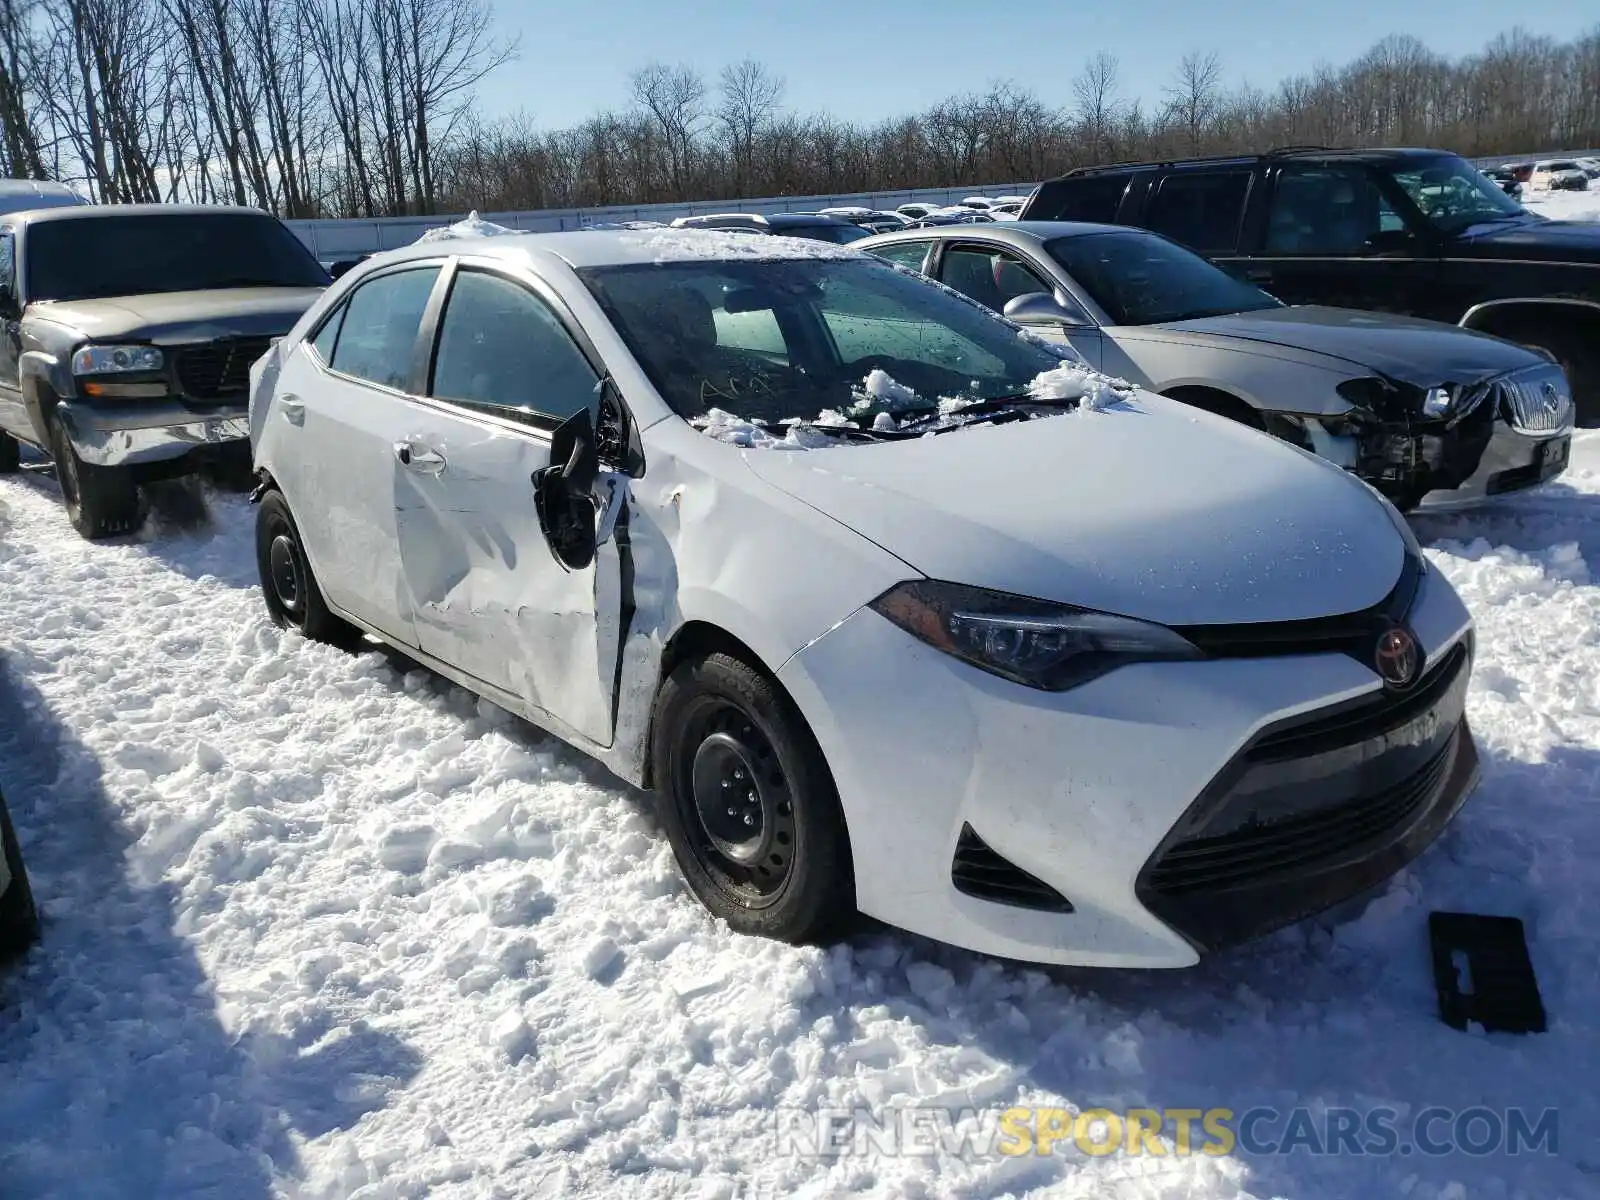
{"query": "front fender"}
(1298, 383)
(44, 379)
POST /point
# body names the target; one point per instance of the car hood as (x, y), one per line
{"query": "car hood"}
(173, 318)
(1149, 509)
(1422, 353)
(1576, 242)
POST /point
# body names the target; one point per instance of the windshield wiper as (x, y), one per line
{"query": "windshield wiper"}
(992, 407)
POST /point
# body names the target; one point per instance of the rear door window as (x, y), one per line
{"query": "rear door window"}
(377, 336)
(1096, 198)
(904, 254)
(1200, 209)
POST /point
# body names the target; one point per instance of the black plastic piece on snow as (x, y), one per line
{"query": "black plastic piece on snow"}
(1499, 992)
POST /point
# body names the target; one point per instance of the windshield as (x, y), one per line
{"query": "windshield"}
(1141, 279)
(828, 340)
(1452, 193)
(839, 234)
(159, 252)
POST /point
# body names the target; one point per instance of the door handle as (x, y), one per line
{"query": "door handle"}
(294, 408)
(419, 458)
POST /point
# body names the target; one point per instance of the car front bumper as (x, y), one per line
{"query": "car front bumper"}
(1513, 461)
(150, 432)
(1111, 793)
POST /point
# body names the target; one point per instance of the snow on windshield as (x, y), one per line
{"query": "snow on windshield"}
(674, 245)
(473, 227)
(884, 405)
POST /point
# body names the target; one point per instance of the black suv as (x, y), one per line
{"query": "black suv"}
(1420, 232)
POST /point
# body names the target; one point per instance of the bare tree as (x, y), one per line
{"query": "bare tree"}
(750, 97)
(674, 97)
(1097, 104)
(1193, 97)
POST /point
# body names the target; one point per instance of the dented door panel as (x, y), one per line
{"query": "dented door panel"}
(488, 595)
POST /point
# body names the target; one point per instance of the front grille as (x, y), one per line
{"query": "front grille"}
(1316, 809)
(978, 871)
(1263, 851)
(1537, 399)
(221, 369)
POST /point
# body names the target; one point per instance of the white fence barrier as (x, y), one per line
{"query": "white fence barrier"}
(348, 238)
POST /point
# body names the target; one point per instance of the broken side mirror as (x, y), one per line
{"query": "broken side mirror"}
(563, 492)
(1041, 308)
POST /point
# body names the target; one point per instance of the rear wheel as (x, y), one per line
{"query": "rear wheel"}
(293, 597)
(748, 803)
(101, 502)
(19, 919)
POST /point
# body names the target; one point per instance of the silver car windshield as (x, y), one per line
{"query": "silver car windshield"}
(776, 340)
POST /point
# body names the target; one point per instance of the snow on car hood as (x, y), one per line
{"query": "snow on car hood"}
(175, 318)
(1147, 508)
(1421, 353)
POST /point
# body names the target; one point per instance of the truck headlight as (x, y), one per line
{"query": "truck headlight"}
(1036, 643)
(1437, 402)
(108, 360)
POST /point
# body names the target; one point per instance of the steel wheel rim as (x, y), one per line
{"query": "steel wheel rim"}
(285, 572)
(726, 762)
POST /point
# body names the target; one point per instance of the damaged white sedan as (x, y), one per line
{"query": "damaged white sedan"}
(897, 611)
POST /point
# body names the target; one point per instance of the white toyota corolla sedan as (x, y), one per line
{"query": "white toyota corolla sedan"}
(896, 610)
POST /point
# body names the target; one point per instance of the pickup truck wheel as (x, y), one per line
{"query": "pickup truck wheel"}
(293, 598)
(748, 802)
(102, 502)
(10, 455)
(19, 919)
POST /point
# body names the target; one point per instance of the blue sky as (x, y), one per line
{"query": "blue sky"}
(876, 58)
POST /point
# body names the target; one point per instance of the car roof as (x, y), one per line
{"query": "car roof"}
(581, 248)
(36, 187)
(1018, 233)
(1297, 153)
(100, 212)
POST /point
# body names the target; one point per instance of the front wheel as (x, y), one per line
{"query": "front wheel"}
(293, 597)
(101, 502)
(748, 803)
(10, 455)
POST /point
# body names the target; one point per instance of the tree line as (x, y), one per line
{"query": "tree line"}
(365, 108)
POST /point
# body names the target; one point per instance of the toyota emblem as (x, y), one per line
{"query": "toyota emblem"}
(1397, 658)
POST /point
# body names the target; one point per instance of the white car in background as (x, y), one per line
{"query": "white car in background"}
(1558, 175)
(24, 195)
(894, 608)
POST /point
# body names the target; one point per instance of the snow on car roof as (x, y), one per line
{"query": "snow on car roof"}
(622, 247)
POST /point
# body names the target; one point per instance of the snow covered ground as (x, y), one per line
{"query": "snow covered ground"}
(1565, 206)
(321, 925)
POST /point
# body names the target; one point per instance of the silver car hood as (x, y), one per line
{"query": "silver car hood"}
(1405, 349)
(174, 318)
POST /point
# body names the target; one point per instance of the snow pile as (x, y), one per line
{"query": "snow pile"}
(881, 388)
(322, 925)
(1565, 206)
(677, 245)
(737, 431)
(1070, 381)
(473, 227)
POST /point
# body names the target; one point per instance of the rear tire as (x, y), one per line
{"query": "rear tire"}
(293, 597)
(10, 455)
(19, 918)
(748, 803)
(101, 502)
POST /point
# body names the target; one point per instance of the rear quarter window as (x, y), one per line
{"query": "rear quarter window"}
(1094, 198)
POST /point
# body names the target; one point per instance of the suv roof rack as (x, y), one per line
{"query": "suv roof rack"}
(1196, 160)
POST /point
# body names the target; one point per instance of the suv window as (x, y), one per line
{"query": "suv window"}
(1096, 198)
(502, 351)
(1327, 210)
(378, 330)
(8, 266)
(1201, 209)
(904, 254)
(991, 277)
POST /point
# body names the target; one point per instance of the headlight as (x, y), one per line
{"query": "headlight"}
(1437, 402)
(106, 360)
(1036, 643)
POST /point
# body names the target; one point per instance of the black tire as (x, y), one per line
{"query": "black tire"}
(293, 598)
(19, 918)
(779, 864)
(101, 502)
(10, 455)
